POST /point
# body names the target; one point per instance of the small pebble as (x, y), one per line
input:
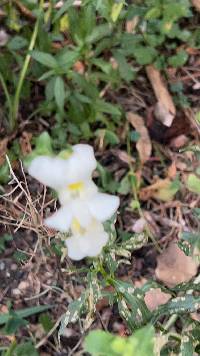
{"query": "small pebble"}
(2, 266)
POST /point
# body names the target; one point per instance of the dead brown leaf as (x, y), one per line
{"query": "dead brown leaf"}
(155, 297)
(3, 149)
(165, 109)
(161, 190)
(174, 266)
(196, 4)
(143, 145)
(25, 143)
(131, 24)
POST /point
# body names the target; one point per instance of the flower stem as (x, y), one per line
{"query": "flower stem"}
(13, 119)
(7, 95)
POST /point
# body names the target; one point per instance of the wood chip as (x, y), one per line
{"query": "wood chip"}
(196, 4)
(3, 150)
(143, 145)
(165, 108)
(155, 297)
(174, 267)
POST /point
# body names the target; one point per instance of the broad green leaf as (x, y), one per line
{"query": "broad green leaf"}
(99, 32)
(125, 69)
(141, 343)
(179, 59)
(101, 343)
(17, 42)
(25, 349)
(25, 313)
(44, 58)
(124, 185)
(193, 183)
(66, 58)
(153, 13)
(59, 93)
(97, 343)
(43, 143)
(145, 55)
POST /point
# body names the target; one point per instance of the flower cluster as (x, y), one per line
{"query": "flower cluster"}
(83, 208)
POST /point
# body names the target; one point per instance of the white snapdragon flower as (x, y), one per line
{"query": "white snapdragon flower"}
(86, 242)
(71, 177)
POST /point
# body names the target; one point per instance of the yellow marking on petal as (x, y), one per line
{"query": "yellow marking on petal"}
(65, 154)
(76, 227)
(76, 186)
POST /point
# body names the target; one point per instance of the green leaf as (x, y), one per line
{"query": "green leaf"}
(25, 313)
(186, 348)
(59, 93)
(135, 242)
(17, 42)
(179, 305)
(25, 349)
(124, 185)
(105, 107)
(46, 322)
(99, 32)
(3, 240)
(193, 183)
(73, 312)
(145, 55)
(101, 343)
(4, 173)
(97, 343)
(44, 58)
(66, 58)
(179, 59)
(14, 323)
(125, 69)
(116, 10)
(67, 4)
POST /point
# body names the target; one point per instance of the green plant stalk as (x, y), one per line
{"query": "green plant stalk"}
(7, 95)
(13, 119)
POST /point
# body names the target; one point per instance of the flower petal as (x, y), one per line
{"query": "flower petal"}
(74, 250)
(89, 244)
(81, 212)
(61, 220)
(50, 171)
(81, 163)
(102, 206)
